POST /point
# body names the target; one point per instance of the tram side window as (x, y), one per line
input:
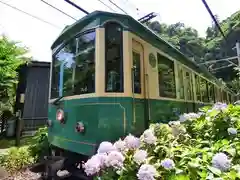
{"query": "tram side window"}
(229, 98)
(224, 96)
(211, 92)
(204, 90)
(62, 69)
(181, 82)
(198, 91)
(137, 72)
(84, 67)
(166, 77)
(216, 94)
(189, 89)
(113, 58)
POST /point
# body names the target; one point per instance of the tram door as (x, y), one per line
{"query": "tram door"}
(138, 89)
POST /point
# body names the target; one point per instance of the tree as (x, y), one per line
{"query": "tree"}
(12, 55)
(213, 46)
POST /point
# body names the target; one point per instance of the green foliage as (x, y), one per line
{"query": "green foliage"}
(213, 46)
(192, 144)
(16, 159)
(39, 144)
(11, 57)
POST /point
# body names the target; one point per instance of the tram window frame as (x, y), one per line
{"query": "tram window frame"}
(216, 93)
(229, 98)
(89, 64)
(115, 72)
(211, 94)
(163, 89)
(198, 89)
(204, 90)
(181, 82)
(189, 90)
(69, 63)
(137, 72)
(224, 96)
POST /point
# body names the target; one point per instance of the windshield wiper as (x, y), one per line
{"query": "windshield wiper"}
(55, 102)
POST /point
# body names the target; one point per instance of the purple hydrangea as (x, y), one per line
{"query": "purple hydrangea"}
(220, 106)
(221, 162)
(188, 116)
(168, 164)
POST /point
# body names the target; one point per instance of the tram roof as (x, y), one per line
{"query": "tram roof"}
(98, 18)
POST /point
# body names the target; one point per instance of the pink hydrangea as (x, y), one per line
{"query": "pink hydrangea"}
(115, 159)
(132, 142)
(106, 147)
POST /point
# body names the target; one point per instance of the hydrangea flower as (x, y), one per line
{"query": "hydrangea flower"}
(140, 156)
(149, 137)
(192, 115)
(132, 142)
(146, 172)
(93, 165)
(174, 123)
(201, 113)
(120, 145)
(220, 106)
(168, 164)
(115, 159)
(106, 147)
(188, 116)
(182, 118)
(102, 158)
(221, 162)
(232, 131)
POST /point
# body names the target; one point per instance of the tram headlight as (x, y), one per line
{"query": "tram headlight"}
(60, 115)
(80, 127)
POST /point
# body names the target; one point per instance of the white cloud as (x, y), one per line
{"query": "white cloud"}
(39, 36)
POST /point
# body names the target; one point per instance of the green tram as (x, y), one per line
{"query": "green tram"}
(111, 76)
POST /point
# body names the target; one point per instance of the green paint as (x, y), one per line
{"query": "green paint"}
(104, 120)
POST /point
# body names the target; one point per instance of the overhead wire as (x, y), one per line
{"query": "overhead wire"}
(214, 19)
(107, 5)
(118, 6)
(33, 16)
(217, 24)
(58, 10)
(76, 6)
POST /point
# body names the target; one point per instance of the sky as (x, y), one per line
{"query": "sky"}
(39, 36)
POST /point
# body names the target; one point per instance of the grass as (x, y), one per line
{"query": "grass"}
(10, 142)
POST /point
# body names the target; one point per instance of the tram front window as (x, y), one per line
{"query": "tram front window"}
(73, 67)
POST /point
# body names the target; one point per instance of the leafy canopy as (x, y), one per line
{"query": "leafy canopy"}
(12, 55)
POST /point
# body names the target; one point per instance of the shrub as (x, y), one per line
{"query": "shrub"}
(39, 145)
(203, 145)
(16, 159)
